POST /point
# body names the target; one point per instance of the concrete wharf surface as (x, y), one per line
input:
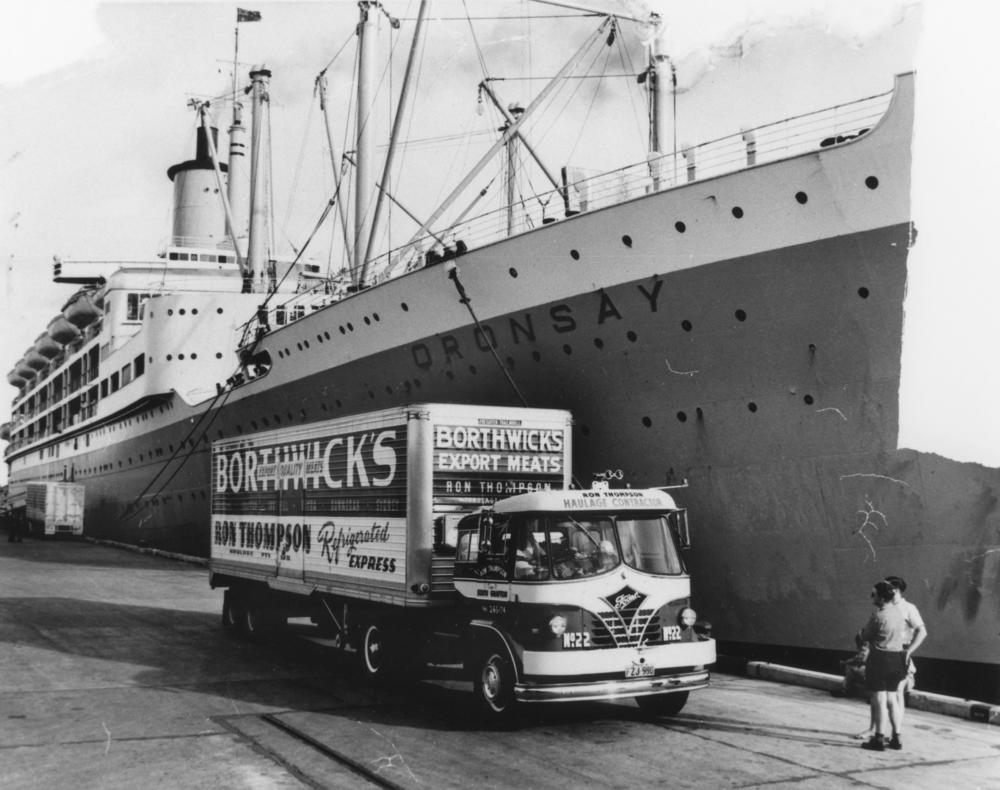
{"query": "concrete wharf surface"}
(115, 673)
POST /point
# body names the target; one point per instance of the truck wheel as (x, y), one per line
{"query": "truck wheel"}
(231, 615)
(374, 656)
(493, 683)
(256, 622)
(663, 704)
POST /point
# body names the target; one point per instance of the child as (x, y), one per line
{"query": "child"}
(854, 681)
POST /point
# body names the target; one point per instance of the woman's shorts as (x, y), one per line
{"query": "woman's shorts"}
(885, 670)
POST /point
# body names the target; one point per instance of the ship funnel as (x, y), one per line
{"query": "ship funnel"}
(199, 217)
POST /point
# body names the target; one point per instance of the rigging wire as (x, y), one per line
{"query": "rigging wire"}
(590, 107)
(626, 61)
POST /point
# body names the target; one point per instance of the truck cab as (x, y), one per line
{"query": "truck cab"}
(581, 595)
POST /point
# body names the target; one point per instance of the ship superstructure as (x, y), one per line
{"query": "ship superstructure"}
(730, 315)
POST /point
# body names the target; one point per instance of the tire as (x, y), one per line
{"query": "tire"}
(231, 615)
(255, 622)
(663, 704)
(493, 685)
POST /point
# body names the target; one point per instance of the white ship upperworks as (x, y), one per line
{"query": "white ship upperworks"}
(728, 313)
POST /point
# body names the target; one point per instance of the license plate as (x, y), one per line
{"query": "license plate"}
(637, 670)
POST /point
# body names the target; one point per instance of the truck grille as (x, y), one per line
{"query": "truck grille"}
(614, 629)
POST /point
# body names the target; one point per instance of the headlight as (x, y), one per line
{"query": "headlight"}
(558, 625)
(688, 617)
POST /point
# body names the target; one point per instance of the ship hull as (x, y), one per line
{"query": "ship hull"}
(776, 405)
(741, 333)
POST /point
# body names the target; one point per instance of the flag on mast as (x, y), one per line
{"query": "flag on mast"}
(242, 15)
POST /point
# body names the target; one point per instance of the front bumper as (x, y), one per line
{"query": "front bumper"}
(601, 674)
(612, 689)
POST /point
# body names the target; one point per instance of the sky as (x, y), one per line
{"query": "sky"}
(92, 102)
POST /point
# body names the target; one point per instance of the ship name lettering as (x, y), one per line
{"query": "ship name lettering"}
(562, 317)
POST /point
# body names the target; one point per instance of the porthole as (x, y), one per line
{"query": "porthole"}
(371, 394)
(632, 336)
(737, 212)
(194, 311)
(305, 343)
(680, 227)
(863, 292)
(350, 327)
(281, 354)
(375, 316)
(686, 325)
(319, 338)
(574, 254)
(299, 346)
(752, 406)
(808, 399)
(647, 422)
(194, 355)
(417, 384)
(513, 272)
(871, 182)
(218, 354)
(170, 311)
(535, 355)
(802, 197)
(342, 330)
(682, 416)
(567, 349)
(473, 370)
(368, 321)
(741, 315)
(218, 310)
(169, 357)
(404, 306)
(627, 240)
(181, 311)
(339, 404)
(598, 343)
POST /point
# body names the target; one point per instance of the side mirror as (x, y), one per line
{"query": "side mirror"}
(679, 524)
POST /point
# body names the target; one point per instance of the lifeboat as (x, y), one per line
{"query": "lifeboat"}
(5, 431)
(47, 347)
(62, 331)
(15, 379)
(34, 360)
(81, 310)
(24, 370)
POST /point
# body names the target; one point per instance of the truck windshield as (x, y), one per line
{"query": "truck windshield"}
(565, 547)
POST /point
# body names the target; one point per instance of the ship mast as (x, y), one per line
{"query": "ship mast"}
(258, 243)
(365, 134)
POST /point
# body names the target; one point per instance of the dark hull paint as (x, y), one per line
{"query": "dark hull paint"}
(798, 496)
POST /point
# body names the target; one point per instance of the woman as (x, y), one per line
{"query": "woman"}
(886, 666)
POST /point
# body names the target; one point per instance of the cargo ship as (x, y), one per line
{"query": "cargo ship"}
(727, 317)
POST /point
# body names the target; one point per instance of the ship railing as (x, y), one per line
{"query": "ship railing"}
(584, 190)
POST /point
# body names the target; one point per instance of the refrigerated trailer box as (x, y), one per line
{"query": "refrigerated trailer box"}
(54, 508)
(449, 533)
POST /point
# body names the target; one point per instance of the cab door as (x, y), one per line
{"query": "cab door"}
(483, 561)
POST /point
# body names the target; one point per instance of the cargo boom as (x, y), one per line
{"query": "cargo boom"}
(448, 533)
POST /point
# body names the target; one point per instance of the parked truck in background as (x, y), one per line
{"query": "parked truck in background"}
(450, 534)
(54, 508)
